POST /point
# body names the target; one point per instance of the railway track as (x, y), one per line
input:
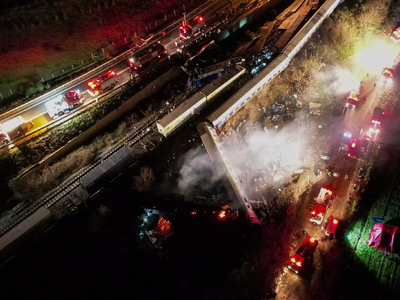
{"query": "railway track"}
(72, 183)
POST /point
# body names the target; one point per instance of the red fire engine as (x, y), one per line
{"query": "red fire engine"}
(332, 227)
(352, 100)
(191, 28)
(388, 74)
(106, 81)
(304, 253)
(395, 36)
(146, 55)
(321, 206)
(64, 104)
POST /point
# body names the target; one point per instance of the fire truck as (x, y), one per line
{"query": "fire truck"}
(13, 128)
(318, 211)
(352, 151)
(395, 36)
(377, 118)
(103, 83)
(353, 98)
(388, 74)
(64, 104)
(332, 227)
(144, 56)
(303, 254)
(191, 28)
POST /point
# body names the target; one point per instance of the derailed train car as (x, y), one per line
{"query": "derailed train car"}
(219, 116)
(192, 106)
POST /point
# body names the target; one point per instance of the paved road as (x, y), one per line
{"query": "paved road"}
(37, 113)
(357, 121)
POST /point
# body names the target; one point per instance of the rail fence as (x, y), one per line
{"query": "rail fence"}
(47, 80)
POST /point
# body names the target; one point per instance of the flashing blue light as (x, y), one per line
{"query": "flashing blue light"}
(141, 233)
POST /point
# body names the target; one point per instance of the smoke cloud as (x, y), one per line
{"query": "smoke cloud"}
(338, 80)
(198, 171)
(264, 158)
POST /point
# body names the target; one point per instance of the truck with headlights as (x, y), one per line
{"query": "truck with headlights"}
(64, 104)
(14, 128)
(105, 82)
(303, 254)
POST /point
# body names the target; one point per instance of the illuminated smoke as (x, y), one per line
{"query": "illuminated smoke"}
(262, 158)
(198, 171)
(338, 80)
(375, 56)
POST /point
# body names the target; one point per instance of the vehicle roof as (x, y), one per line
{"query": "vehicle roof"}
(72, 94)
(319, 208)
(388, 72)
(354, 95)
(331, 225)
(307, 247)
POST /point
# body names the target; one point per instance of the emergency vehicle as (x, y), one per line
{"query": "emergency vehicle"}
(318, 211)
(344, 144)
(332, 227)
(13, 128)
(388, 74)
(352, 99)
(395, 36)
(303, 254)
(64, 104)
(366, 147)
(106, 81)
(377, 118)
(146, 55)
(352, 149)
(191, 28)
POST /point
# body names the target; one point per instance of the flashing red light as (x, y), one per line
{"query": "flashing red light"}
(163, 33)
(201, 19)
(193, 213)
(91, 84)
(222, 214)
(312, 240)
(335, 221)
(353, 145)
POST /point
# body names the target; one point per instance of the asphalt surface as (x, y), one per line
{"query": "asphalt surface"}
(37, 113)
(357, 121)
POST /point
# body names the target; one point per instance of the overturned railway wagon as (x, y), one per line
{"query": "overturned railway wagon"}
(192, 106)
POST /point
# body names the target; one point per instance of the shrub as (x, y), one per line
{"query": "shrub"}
(31, 91)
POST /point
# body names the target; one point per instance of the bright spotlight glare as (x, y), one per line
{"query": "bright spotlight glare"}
(375, 56)
(339, 80)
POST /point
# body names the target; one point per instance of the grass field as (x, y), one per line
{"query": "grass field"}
(370, 273)
(47, 36)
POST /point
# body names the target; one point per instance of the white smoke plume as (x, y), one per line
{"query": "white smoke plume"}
(338, 80)
(264, 158)
(198, 171)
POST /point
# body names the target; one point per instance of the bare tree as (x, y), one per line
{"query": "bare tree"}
(145, 180)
